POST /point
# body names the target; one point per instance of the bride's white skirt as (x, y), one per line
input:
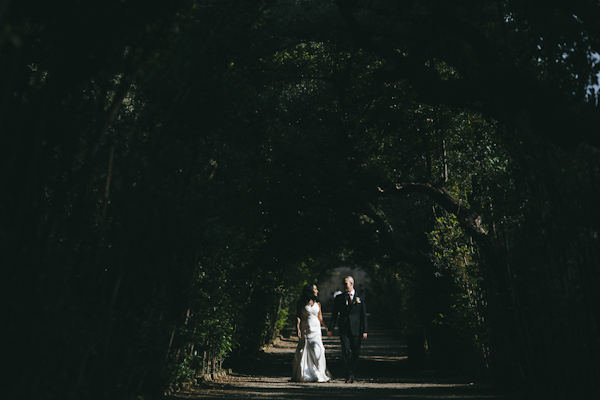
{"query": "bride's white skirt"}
(309, 361)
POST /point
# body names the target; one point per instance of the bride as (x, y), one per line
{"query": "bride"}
(309, 363)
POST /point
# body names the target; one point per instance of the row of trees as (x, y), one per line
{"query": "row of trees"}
(174, 174)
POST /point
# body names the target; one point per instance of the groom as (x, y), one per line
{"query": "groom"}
(352, 313)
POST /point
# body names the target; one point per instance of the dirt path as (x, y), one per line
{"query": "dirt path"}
(383, 373)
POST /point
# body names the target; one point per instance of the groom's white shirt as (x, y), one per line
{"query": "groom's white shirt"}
(352, 293)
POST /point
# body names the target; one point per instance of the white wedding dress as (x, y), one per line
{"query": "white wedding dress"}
(309, 363)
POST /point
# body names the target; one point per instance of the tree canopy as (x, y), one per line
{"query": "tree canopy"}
(174, 173)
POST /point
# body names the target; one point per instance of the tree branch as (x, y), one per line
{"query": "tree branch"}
(468, 219)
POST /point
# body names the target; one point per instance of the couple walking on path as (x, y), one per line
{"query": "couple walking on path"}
(349, 311)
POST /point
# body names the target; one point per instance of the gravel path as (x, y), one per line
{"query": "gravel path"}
(383, 373)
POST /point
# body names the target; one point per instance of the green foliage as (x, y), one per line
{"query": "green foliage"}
(183, 372)
(174, 175)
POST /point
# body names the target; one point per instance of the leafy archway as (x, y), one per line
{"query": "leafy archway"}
(174, 175)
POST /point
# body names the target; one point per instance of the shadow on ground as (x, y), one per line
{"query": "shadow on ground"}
(384, 372)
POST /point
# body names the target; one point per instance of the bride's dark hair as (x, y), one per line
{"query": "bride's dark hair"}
(307, 294)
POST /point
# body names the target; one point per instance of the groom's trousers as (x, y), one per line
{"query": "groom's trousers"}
(350, 352)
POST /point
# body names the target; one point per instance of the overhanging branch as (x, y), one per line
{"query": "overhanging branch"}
(468, 219)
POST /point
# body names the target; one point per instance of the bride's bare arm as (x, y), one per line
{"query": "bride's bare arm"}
(298, 331)
(321, 317)
(298, 320)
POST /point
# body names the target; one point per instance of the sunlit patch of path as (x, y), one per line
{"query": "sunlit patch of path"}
(383, 374)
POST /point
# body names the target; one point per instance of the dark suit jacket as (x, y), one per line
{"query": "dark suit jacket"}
(352, 318)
